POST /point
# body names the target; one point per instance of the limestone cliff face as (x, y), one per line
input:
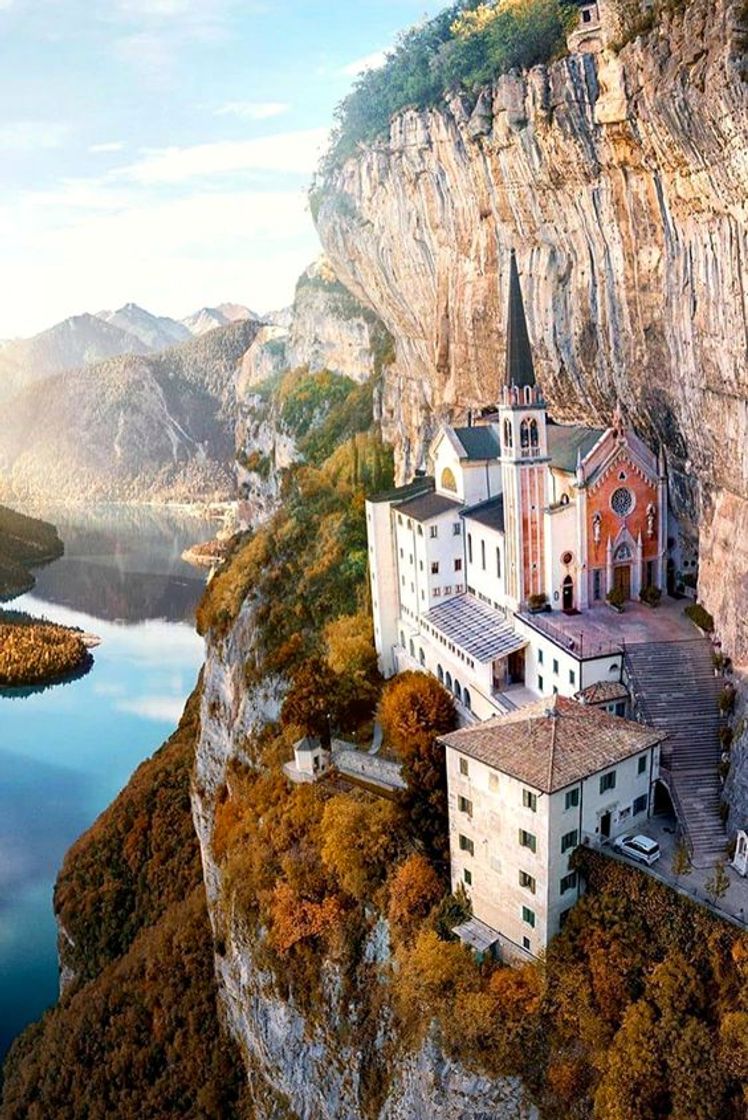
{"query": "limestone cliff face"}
(296, 1066)
(622, 182)
(327, 329)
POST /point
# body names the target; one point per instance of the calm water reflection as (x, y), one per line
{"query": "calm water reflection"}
(66, 752)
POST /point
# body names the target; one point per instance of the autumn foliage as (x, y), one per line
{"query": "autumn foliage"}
(35, 652)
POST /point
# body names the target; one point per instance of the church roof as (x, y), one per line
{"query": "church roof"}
(553, 742)
(489, 513)
(420, 485)
(426, 506)
(520, 370)
(480, 442)
(479, 630)
(566, 441)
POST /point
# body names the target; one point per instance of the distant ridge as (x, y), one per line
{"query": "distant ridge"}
(156, 427)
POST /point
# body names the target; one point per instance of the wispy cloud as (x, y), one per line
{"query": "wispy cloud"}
(167, 709)
(368, 62)
(287, 152)
(29, 136)
(107, 146)
(253, 110)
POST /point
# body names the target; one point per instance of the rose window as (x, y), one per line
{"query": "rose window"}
(622, 501)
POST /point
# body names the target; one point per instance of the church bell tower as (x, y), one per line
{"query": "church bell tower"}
(524, 457)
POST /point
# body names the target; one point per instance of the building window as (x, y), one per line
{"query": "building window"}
(402, 554)
(402, 638)
(412, 648)
(470, 548)
(420, 530)
(622, 502)
(458, 564)
(508, 435)
(463, 763)
(597, 584)
(528, 916)
(527, 840)
(608, 781)
(435, 567)
(640, 804)
(467, 845)
(468, 877)
(555, 665)
(433, 531)
(569, 882)
(569, 840)
(421, 655)
(527, 881)
(483, 555)
(540, 657)
(456, 529)
(493, 782)
(530, 800)
(498, 563)
(620, 709)
(526, 943)
(458, 690)
(572, 676)
(437, 592)
(440, 674)
(642, 765)
(540, 683)
(465, 806)
(466, 699)
(572, 798)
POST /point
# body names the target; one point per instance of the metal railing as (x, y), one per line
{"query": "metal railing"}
(580, 644)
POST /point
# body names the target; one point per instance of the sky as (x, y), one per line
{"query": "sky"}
(159, 151)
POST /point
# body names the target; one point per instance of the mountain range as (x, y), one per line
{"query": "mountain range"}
(86, 339)
(134, 427)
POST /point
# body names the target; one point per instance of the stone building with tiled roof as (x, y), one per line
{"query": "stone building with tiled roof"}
(525, 790)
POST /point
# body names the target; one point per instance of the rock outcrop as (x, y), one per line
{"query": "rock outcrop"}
(312, 1071)
(327, 329)
(622, 182)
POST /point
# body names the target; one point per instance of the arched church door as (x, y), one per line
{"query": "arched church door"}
(567, 593)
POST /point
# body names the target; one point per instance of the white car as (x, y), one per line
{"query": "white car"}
(640, 848)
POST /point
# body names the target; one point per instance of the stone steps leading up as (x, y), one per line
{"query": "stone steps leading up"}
(675, 690)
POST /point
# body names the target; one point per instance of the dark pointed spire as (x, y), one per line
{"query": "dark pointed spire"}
(519, 368)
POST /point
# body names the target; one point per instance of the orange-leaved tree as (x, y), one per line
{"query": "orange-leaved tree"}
(414, 890)
(413, 711)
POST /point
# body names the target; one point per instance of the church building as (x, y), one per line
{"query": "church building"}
(520, 525)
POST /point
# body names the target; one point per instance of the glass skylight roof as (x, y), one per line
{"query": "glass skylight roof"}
(479, 630)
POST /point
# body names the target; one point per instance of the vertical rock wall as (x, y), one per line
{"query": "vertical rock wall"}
(622, 182)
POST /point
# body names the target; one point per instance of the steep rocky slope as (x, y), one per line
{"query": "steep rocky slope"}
(328, 333)
(622, 182)
(134, 428)
(298, 1066)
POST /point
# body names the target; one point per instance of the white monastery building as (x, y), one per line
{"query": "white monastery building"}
(480, 571)
(521, 522)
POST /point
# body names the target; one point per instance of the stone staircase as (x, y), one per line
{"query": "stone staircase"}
(674, 688)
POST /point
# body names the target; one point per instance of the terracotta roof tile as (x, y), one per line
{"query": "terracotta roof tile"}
(553, 742)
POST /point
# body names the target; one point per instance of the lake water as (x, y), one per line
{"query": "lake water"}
(67, 751)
